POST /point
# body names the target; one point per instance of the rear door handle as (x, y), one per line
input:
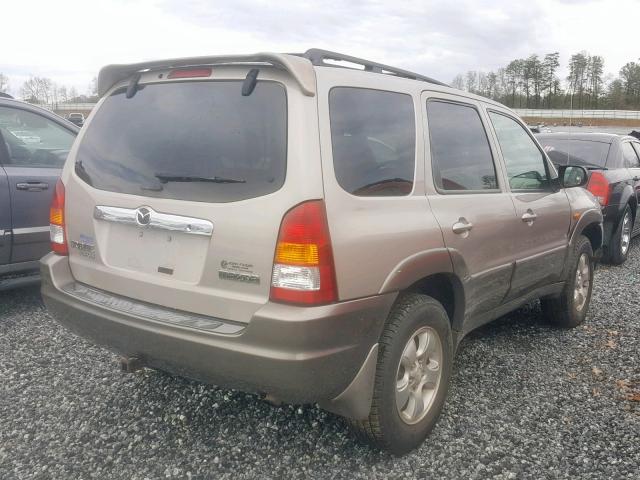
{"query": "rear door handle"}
(32, 186)
(461, 226)
(529, 217)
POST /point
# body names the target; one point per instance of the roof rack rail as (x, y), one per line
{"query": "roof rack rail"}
(318, 56)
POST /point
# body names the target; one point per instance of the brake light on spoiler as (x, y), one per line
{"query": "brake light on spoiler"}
(189, 73)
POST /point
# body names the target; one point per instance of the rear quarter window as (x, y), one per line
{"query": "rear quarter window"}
(629, 156)
(586, 153)
(373, 135)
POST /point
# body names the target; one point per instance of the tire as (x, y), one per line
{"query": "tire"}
(570, 308)
(618, 250)
(388, 426)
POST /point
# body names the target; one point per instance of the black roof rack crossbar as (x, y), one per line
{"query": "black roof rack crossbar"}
(318, 56)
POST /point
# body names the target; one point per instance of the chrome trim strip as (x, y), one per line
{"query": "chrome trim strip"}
(150, 311)
(26, 230)
(156, 220)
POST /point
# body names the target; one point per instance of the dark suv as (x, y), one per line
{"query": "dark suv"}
(614, 165)
(34, 144)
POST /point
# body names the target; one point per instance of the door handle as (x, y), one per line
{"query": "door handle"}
(32, 186)
(529, 217)
(461, 226)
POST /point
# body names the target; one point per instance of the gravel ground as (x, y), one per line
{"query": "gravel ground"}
(527, 401)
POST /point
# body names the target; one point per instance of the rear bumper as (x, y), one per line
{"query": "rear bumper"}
(297, 355)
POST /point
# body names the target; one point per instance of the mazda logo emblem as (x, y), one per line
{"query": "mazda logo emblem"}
(143, 216)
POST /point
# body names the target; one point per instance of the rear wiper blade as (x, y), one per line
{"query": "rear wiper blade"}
(165, 178)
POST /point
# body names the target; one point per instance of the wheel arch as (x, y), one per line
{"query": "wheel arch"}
(628, 198)
(447, 289)
(589, 225)
(633, 203)
(431, 273)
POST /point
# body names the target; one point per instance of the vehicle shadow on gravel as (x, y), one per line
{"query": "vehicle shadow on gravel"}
(210, 411)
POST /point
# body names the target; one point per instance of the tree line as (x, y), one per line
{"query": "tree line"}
(533, 82)
(43, 90)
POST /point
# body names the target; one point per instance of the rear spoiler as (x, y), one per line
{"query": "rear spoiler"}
(301, 69)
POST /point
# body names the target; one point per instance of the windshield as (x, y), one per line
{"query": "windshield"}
(586, 153)
(186, 141)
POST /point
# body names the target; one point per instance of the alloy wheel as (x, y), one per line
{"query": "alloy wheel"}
(418, 375)
(625, 236)
(582, 281)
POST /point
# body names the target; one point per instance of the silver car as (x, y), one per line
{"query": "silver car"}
(278, 224)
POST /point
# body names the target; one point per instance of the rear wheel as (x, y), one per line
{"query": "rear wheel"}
(412, 375)
(621, 239)
(570, 308)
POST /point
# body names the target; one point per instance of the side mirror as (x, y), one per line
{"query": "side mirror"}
(573, 176)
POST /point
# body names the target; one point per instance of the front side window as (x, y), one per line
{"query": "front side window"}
(525, 163)
(198, 141)
(33, 140)
(629, 156)
(373, 136)
(460, 152)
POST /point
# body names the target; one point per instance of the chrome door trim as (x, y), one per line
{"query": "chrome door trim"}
(26, 230)
(156, 220)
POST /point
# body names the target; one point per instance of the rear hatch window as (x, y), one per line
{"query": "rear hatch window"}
(586, 153)
(198, 141)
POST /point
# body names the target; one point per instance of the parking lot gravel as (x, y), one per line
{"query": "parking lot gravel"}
(527, 401)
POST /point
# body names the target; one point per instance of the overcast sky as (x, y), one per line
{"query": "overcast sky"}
(69, 40)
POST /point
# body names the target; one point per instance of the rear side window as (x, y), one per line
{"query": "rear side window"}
(460, 152)
(200, 141)
(629, 156)
(636, 147)
(525, 163)
(33, 140)
(373, 135)
(586, 153)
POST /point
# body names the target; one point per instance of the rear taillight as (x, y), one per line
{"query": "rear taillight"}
(303, 269)
(56, 221)
(599, 186)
